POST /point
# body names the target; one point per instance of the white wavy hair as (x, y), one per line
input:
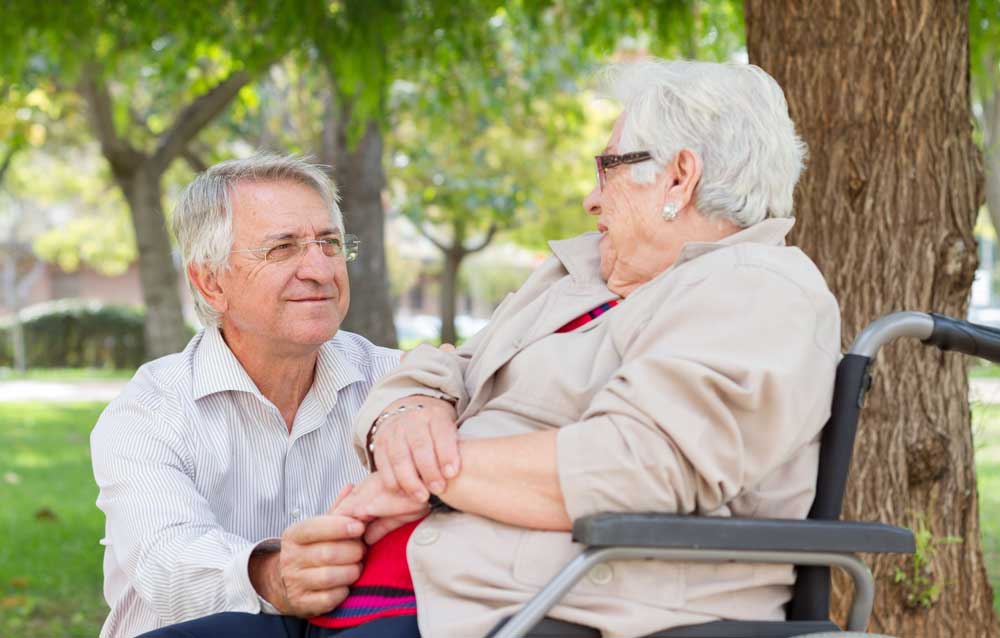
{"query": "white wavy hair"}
(203, 219)
(734, 116)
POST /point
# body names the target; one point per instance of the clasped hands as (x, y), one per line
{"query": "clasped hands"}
(415, 453)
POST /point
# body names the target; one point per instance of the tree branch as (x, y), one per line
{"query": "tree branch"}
(119, 153)
(423, 231)
(486, 240)
(5, 164)
(194, 117)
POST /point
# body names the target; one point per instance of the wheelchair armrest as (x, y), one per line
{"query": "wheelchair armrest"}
(713, 533)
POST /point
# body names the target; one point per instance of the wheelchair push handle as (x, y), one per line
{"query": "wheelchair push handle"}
(965, 337)
(940, 331)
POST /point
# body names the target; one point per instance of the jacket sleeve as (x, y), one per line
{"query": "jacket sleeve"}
(159, 528)
(720, 386)
(427, 371)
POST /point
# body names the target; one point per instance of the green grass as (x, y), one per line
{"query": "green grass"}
(986, 433)
(65, 374)
(50, 559)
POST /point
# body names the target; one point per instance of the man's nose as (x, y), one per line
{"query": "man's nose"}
(592, 202)
(313, 264)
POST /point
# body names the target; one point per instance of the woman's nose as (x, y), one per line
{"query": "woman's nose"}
(592, 202)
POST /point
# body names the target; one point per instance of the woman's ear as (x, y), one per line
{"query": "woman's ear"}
(685, 174)
(207, 283)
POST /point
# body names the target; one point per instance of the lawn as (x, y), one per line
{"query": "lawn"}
(986, 431)
(50, 559)
(66, 375)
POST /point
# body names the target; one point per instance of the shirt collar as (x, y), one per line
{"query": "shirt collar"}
(581, 255)
(769, 232)
(334, 372)
(216, 369)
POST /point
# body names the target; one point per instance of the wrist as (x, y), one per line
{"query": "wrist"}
(263, 568)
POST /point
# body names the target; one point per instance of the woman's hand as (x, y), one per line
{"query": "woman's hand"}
(416, 451)
(381, 508)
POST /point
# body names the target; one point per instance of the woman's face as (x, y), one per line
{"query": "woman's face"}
(638, 243)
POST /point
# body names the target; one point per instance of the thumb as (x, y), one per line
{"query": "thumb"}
(446, 347)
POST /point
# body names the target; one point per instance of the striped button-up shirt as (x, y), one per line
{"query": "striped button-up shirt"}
(196, 468)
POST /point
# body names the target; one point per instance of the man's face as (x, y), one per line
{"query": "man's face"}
(292, 305)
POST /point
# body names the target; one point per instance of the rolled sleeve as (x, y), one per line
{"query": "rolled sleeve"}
(160, 529)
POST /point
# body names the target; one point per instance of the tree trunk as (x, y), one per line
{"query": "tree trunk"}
(13, 302)
(165, 331)
(449, 290)
(360, 179)
(886, 208)
(991, 158)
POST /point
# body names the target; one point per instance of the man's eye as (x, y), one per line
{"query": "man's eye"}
(332, 241)
(281, 251)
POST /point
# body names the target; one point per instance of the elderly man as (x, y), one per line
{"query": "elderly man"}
(218, 466)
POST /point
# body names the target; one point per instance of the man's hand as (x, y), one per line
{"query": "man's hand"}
(386, 509)
(417, 451)
(319, 559)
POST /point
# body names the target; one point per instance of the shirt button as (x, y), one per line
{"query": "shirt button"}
(426, 536)
(296, 513)
(601, 574)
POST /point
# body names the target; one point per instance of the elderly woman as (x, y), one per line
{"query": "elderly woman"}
(680, 359)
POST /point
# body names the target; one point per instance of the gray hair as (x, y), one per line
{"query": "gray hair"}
(734, 116)
(203, 219)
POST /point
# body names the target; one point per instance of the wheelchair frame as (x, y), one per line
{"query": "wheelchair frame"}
(814, 544)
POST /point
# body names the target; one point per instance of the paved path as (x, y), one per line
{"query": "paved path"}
(981, 390)
(60, 391)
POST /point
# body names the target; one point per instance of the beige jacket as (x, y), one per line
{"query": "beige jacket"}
(703, 392)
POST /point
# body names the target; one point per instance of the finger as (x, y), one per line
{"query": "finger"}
(421, 444)
(328, 577)
(344, 493)
(447, 347)
(315, 603)
(385, 469)
(331, 553)
(382, 526)
(329, 527)
(445, 437)
(402, 466)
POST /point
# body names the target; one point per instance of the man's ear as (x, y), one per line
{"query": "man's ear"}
(207, 283)
(685, 173)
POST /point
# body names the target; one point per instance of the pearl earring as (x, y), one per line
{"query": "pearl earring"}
(669, 211)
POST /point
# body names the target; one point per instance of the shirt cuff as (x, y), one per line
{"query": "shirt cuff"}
(240, 591)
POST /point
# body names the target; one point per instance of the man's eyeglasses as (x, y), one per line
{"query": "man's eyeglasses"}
(331, 247)
(604, 162)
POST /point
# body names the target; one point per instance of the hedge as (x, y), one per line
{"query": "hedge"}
(73, 333)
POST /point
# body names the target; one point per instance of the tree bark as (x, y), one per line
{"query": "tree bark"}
(138, 175)
(991, 157)
(886, 208)
(165, 331)
(453, 257)
(360, 178)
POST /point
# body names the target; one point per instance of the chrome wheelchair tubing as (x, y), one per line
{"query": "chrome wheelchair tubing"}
(535, 609)
(918, 325)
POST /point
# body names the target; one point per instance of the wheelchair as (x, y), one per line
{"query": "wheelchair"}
(812, 545)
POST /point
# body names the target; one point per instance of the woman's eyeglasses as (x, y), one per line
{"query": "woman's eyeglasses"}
(604, 162)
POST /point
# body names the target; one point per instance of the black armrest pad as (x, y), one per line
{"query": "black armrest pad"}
(698, 532)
